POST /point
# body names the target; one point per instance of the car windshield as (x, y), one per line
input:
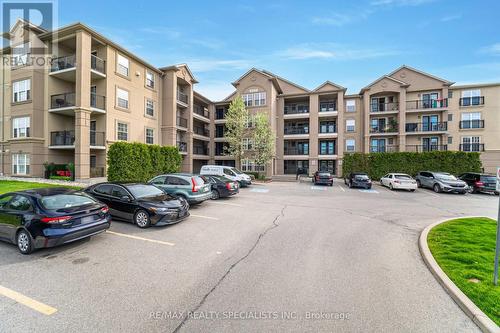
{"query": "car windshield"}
(361, 177)
(143, 190)
(236, 171)
(402, 177)
(60, 201)
(445, 176)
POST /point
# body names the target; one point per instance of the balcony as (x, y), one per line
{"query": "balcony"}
(384, 107)
(425, 148)
(98, 102)
(472, 101)
(63, 63)
(62, 139)
(201, 131)
(471, 124)
(296, 109)
(97, 139)
(427, 127)
(201, 111)
(98, 67)
(296, 151)
(182, 98)
(200, 150)
(62, 101)
(327, 128)
(293, 130)
(327, 106)
(383, 129)
(427, 104)
(472, 147)
(182, 122)
(182, 146)
(220, 113)
(384, 149)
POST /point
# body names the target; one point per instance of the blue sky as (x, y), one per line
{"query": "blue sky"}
(348, 42)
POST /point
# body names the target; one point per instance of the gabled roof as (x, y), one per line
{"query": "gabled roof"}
(230, 97)
(331, 84)
(178, 68)
(200, 96)
(420, 72)
(27, 24)
(287, 81)
(401, 83)
(271, 78)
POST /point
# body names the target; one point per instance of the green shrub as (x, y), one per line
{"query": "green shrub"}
(60, 178)
(379, 164)
(139, 162)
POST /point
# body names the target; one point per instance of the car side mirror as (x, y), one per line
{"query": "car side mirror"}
(125, 198)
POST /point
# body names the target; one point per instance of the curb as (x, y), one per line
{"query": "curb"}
(470, 309)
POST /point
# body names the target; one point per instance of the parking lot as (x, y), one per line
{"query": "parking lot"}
(276, 257)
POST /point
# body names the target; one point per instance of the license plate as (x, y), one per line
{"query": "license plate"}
(87, 219)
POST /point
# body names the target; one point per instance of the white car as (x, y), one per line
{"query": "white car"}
(399, 181)
(229, 172)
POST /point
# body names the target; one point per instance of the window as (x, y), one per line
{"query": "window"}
(250, 165)
(122, 65)
(150, 136)
(350, 125)
(350, 145)
(160, 180)
(247, 144)
(103, 189)
(471, 143)
(254, 98)
(21, 127)
(20, 164)
(350, 105)
(20, 54)
(327, 148)
(20, 203)
(21, 91)
(118, 192)
(471, 97)
(150, 107)
(450, 94)
(471, 120)
(150, 79)
(450, 140)
(122, 98)
(122, 131)
(250, 121)
(450, 117)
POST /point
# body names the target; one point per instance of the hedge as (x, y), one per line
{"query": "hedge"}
(377, 165)
(139, 162)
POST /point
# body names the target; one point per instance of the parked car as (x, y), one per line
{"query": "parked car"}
(185, 185)
(229, 172)
(480, 182)
(221, 187)
(358, 179)
(48, 217)
(142, 204)
(399, 181)
(323, 177)
(441, 182)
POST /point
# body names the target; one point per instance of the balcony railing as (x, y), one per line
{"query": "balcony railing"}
(384, 107)
(427, 127)
(427, 104)
(97, 139)
(62, 100)
(327, 106)
(182, 97)
(296, 130)
(182, 122)
(62, 138)
(201, 131)
(472, 147)
(182, 146)
(201, 111)
(296, 109)
(424, 148)
(384, 149)
(384, 129)
(199, 150)
(97, 101)
(97, 64)
(468, 124)
(327, 151)
(61, 63)
(296, 151)
(471, 101)
(327, 129)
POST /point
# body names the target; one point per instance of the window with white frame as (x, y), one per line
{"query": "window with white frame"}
(350, 125)
(122, 98)
(471, 97)
(254, 98)
(150, 107)
(150, 79)
(247, 144)
(350, 105)
(21, 127)
(20, 164)
(250, 165)
(350, 145)
(20, 54)
(21, 90)
(122, 65)
(471, 120)
(250, 121)
(150, 136)
(122, 131)
(471, 143)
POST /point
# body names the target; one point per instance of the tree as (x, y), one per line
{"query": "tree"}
(236, 120)
(263, 140)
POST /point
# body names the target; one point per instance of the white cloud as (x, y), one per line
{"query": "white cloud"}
(332, 51)
(451, 17)
(207, 65)
(340, 19)
(493, 49)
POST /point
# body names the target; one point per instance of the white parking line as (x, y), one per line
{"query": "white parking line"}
(343, 190)
(318, 188)
(27, 301)
(429, 193)
(140, 238)
(259, 190)
(204, 217)
(226, 203)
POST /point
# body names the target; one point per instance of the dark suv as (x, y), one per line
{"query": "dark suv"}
(480, 182)
(358, 179)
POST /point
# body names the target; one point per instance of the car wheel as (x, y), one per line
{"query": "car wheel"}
(141, 219)
(412, 190)
(369, 188)
(391, 187)
(24, 242)
(497, 193)
(419, 184)
(436, 188)
(215, 195)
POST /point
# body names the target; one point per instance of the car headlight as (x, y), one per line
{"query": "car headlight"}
(162, 210)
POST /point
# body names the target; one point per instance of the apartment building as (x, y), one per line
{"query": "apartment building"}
(93, 93)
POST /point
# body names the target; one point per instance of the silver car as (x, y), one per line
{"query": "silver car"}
(441, 182)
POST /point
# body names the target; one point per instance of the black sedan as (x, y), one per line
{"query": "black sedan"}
(48, 217)
(323, 177)
(358, 179)
(222, 187)
(142, 204)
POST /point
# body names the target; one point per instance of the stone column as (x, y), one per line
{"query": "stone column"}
(280, 123)
(366, 115)
(313, 133)
(340, 143)
(82, 144)
(402, 119)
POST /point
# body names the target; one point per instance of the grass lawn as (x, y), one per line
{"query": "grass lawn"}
(12, 185)
(465, 250)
